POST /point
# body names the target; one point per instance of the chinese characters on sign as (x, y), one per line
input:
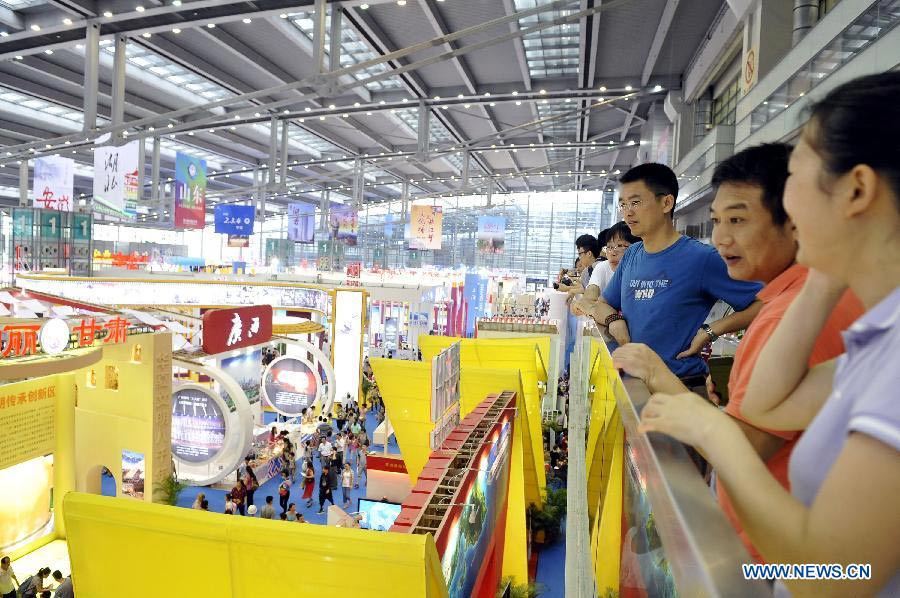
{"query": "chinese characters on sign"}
(54, 179)
(190, 191)
(234, 219)
(115, 178)
(29, 408)
(229, 329)
(353, 272)
(22, 339)
(426, 227)
(301, 222)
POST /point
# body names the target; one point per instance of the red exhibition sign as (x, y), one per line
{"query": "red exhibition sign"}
(236, 327)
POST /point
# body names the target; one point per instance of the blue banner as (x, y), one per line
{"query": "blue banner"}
(475, 294)
(234, 219)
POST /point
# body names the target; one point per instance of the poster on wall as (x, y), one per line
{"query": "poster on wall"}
(54, 183)
(290, 385)
(301, 222)
(231, 219)
(445, 372)
(246, 370)
(190, 191)
(112, 166)
(344, 224)
(426, 226)
(198, 425)
(491, 234)
(133, 474)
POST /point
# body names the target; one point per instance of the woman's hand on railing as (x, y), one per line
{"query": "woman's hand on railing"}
(686, 417)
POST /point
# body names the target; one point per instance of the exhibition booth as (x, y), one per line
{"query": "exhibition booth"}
(88, 392)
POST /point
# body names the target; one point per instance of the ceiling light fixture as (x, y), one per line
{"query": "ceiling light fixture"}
(139, 8)
(246, 21)
(35, 27)
(3, 34)
(67, 21)
(401, 2)
(146, 34)
(628, 88)
(48, 52)
(364, 6)
(107, 14)
(211, 25)
(176, 31)
(176, 2)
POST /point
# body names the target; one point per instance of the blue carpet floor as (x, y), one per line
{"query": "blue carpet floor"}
(216, 497)
(551, 568)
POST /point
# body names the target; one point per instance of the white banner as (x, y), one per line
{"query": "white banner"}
(54, 183)
(115, 170)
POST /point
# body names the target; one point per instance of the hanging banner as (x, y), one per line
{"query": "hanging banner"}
(425, 229)
(111, 165)
(388, 225)
(54, 182)
(301, 222)
(344, 223)
(231, 219)
(190, 191)
(238, 241)
(491, 234)
(131, 170)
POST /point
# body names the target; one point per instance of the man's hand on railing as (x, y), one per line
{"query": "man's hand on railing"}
(619, 331)
(640, 361)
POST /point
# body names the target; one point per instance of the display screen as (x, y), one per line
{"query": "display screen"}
(246, 369)
(133, 474)
(198, 425)
(377, 515)
(290, 385)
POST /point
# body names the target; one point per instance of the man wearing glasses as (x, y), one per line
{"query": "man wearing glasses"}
(666, 285)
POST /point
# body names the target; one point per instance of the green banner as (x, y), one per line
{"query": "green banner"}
(23, 222)
(51, 224)
(81, 227)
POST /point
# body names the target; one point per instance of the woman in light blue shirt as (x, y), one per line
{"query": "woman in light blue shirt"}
(843, 197)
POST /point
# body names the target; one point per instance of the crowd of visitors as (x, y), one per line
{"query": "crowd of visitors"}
(42, 584)
(806, 249)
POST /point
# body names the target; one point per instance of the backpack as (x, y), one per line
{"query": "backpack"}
(282, 489)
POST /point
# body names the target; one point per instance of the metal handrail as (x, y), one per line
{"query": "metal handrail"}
(702, 548)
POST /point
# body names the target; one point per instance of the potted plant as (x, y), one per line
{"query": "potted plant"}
(509, 589)
(167, 490)
(546, 522)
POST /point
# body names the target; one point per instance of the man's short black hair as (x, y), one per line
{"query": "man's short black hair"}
(269, 499)
(620, 230)
(57, 575)
(659, 178)
(588, 243)
(602, 236)
(764, 166)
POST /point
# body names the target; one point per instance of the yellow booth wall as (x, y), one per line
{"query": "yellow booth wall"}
(139, 549)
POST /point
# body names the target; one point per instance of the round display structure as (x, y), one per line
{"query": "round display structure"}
(199, 426)
(290, 385)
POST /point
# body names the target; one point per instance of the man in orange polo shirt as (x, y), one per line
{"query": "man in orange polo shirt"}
(755, 237)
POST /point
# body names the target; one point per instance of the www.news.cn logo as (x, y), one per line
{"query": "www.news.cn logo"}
(807, 571)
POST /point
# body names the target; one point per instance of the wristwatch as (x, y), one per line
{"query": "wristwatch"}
(713, 337)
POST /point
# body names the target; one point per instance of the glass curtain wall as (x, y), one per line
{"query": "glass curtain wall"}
(540, 234)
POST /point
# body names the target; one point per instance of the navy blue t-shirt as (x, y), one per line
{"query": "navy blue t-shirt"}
(666, 296)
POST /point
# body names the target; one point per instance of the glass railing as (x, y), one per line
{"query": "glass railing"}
(874, 23)
(669, 536)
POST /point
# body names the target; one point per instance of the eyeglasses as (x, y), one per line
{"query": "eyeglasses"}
(581, 253)
(620, 247)
(634, 204)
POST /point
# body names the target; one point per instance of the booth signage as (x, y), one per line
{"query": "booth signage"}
(22, 339)
(234, 328)
(234, 219)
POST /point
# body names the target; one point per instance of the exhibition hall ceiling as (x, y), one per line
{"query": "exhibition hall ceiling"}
(557, 107)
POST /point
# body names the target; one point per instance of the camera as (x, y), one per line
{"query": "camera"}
(566, 281)
(556, 286)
